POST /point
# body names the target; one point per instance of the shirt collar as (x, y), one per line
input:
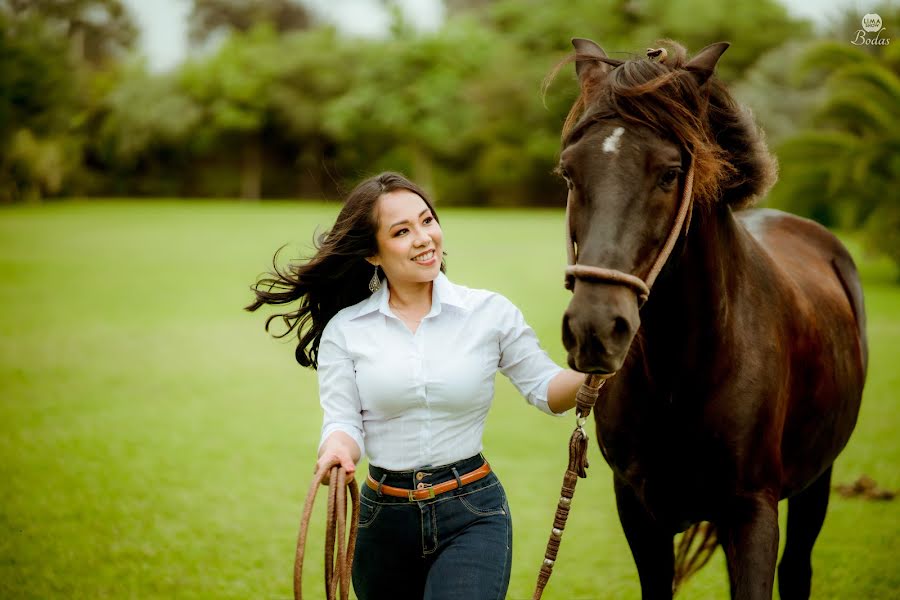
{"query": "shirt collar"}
(443, 292)
(446, 292)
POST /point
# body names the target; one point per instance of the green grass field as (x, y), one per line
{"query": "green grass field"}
(156, 443)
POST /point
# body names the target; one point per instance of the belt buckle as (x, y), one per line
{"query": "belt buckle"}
(411, 494)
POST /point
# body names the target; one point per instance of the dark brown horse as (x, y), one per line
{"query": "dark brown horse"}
(739, 379)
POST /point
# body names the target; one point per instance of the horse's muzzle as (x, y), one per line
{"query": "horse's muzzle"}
(599, 325)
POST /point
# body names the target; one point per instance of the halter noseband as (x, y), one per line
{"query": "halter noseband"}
(640, 286)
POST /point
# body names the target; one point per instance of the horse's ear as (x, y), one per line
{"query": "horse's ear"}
(591, 62)
(704, 62)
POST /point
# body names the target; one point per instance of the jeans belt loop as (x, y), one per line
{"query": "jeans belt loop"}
(459, 482)
(381, 483)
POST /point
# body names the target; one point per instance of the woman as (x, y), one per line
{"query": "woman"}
(406, 369)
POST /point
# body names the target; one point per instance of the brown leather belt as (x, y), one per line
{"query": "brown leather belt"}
(425, 493)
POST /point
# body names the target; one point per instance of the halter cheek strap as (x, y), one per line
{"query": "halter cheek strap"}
(640, 286)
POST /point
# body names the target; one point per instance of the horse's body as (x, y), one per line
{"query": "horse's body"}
(740, 390)
(742, 381)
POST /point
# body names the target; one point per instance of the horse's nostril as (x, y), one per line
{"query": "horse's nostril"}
(621, 326)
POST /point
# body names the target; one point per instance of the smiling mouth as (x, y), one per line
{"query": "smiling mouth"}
(424, 257)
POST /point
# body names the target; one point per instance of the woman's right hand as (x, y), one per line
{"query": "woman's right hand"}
(338, 449)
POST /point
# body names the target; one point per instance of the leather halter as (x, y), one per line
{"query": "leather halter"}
(640, 286)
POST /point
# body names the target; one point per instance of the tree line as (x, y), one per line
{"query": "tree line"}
(277, 103)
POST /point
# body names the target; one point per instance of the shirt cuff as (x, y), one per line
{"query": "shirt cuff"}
(350, 430)
(539, 398)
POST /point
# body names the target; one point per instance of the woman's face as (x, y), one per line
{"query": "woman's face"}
(410, 241)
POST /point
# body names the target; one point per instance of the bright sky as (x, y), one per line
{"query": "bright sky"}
(163, 23)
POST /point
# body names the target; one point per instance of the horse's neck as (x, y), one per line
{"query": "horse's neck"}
(687, 317)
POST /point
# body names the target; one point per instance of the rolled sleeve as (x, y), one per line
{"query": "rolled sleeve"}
(522, 359)
(338, 393)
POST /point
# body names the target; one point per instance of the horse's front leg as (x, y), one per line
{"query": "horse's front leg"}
(749, 536)
(651, 544)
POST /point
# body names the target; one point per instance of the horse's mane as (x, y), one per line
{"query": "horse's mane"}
(732, 163)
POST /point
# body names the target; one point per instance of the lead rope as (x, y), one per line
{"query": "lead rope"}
(590, 389)
(578, 464)
(337, 565)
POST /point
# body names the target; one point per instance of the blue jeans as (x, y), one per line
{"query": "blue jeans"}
(455, 546)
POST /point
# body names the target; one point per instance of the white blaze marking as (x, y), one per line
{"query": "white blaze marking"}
(611, 144)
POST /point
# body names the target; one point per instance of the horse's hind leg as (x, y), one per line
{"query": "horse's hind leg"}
(806, 513)
(651, 545)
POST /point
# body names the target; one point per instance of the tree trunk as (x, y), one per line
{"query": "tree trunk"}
(251, 168)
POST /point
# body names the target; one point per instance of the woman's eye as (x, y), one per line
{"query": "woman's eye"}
(428, 220)
(400, 232)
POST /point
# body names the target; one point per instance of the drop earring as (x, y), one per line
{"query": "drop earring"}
(375, 282)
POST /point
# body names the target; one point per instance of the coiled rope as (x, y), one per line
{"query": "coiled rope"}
(337, 564)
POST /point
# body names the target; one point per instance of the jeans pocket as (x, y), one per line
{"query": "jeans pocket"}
(367, 512)
(489, 500)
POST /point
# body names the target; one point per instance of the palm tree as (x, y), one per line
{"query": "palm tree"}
(846, 169)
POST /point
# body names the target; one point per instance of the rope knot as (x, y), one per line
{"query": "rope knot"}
(578, 445)
(587, 394)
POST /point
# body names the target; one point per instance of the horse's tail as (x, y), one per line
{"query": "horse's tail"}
(695, 548)
(846, 272)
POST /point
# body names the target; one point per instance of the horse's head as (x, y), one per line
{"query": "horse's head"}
(637, 130)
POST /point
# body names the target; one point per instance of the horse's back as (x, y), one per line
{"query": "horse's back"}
(827, 338)
(812, 257)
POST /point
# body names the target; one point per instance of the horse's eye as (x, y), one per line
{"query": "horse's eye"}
(669, 177)
(565, 175)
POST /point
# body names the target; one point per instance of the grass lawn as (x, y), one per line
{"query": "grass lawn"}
(156, 443)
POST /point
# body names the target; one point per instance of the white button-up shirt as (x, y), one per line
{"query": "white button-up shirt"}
(412, 400)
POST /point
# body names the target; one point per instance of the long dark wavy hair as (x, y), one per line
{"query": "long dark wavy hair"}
(337, 276)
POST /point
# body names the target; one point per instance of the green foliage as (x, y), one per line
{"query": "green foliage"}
(883, 228)
(232, 88)
(845, 170)
(848, 22)
(143, 114)
(625, 27)
(232, 84)
(98, 31)
(37, 89)
(38, 105)
(414, 101)
(780, 102)
(278, 107)
(38, 167)
(211, 17)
